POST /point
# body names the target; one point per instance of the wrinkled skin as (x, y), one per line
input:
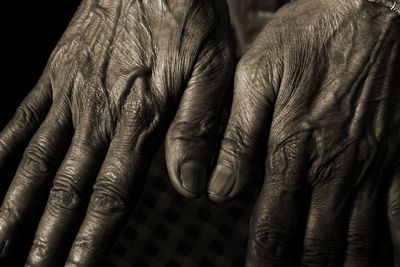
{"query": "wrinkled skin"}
(122, 72)
(320, 82)
(317, 103)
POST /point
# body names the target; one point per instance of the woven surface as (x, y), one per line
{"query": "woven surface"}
(168, 230)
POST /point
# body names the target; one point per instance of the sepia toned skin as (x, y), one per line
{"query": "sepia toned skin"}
(122, 72)
(317, 103)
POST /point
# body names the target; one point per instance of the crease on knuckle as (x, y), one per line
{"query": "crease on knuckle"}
(270, 242)
(191, 132)
(39, 250)
(319, 252)
(107, 201)
(359, 247)
(37, 161)
(82, 248)
(24, 116)
(64, 197)
(8, 215)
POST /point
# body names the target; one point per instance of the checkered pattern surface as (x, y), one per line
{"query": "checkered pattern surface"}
(168, 230)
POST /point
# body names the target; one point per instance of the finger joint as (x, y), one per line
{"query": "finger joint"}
(39, 250)
(359, 247)
(37, 161)
(271, 243)
(107, 201)
(319, 252)
(65, 197)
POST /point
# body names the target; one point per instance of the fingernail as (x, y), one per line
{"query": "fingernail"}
(222, 181)
(193, 177)
(70, 264)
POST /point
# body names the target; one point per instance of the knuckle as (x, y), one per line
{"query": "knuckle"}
(269, 243)
(24, 115)
(244, 67)
(319, 252)
(39, 250)
(287, 163)
(249, 75)
(107, 201)
(37, 160)
(81, 250)
(189, 131)
(64, 197)
(9, 215)
(359, 246)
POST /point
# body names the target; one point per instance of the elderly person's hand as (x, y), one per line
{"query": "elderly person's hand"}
(317, 103)
(122, 72)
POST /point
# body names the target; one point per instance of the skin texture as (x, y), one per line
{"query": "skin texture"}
(121, 74)
(316, 104)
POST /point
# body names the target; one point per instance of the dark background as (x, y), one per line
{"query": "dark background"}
(29, 32)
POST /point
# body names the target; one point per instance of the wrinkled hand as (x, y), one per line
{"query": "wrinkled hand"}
(114, 83)
(318, 97)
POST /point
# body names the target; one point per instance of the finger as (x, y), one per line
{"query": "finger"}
(38, 165)
(66, 205)
(29, 115)
(243, 148)
(277, 218)
(191, 139)
(115, 194)
(325, 233)
(394, 214)
(120, 180)
(361, 236)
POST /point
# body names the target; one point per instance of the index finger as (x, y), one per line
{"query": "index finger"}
(26, 120)
(119, 183)
(115, 194)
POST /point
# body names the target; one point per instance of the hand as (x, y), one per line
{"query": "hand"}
(322, 82)
(114, 83)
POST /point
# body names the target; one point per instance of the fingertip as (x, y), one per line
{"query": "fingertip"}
(70, 264)
(185, 192)
(222, 184)
(188, 194)
(193, 177)
(189, 180)
(218, 199)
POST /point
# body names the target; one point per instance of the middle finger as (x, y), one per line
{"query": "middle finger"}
(64, 210)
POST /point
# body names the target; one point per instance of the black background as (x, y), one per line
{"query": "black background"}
(29, 32)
